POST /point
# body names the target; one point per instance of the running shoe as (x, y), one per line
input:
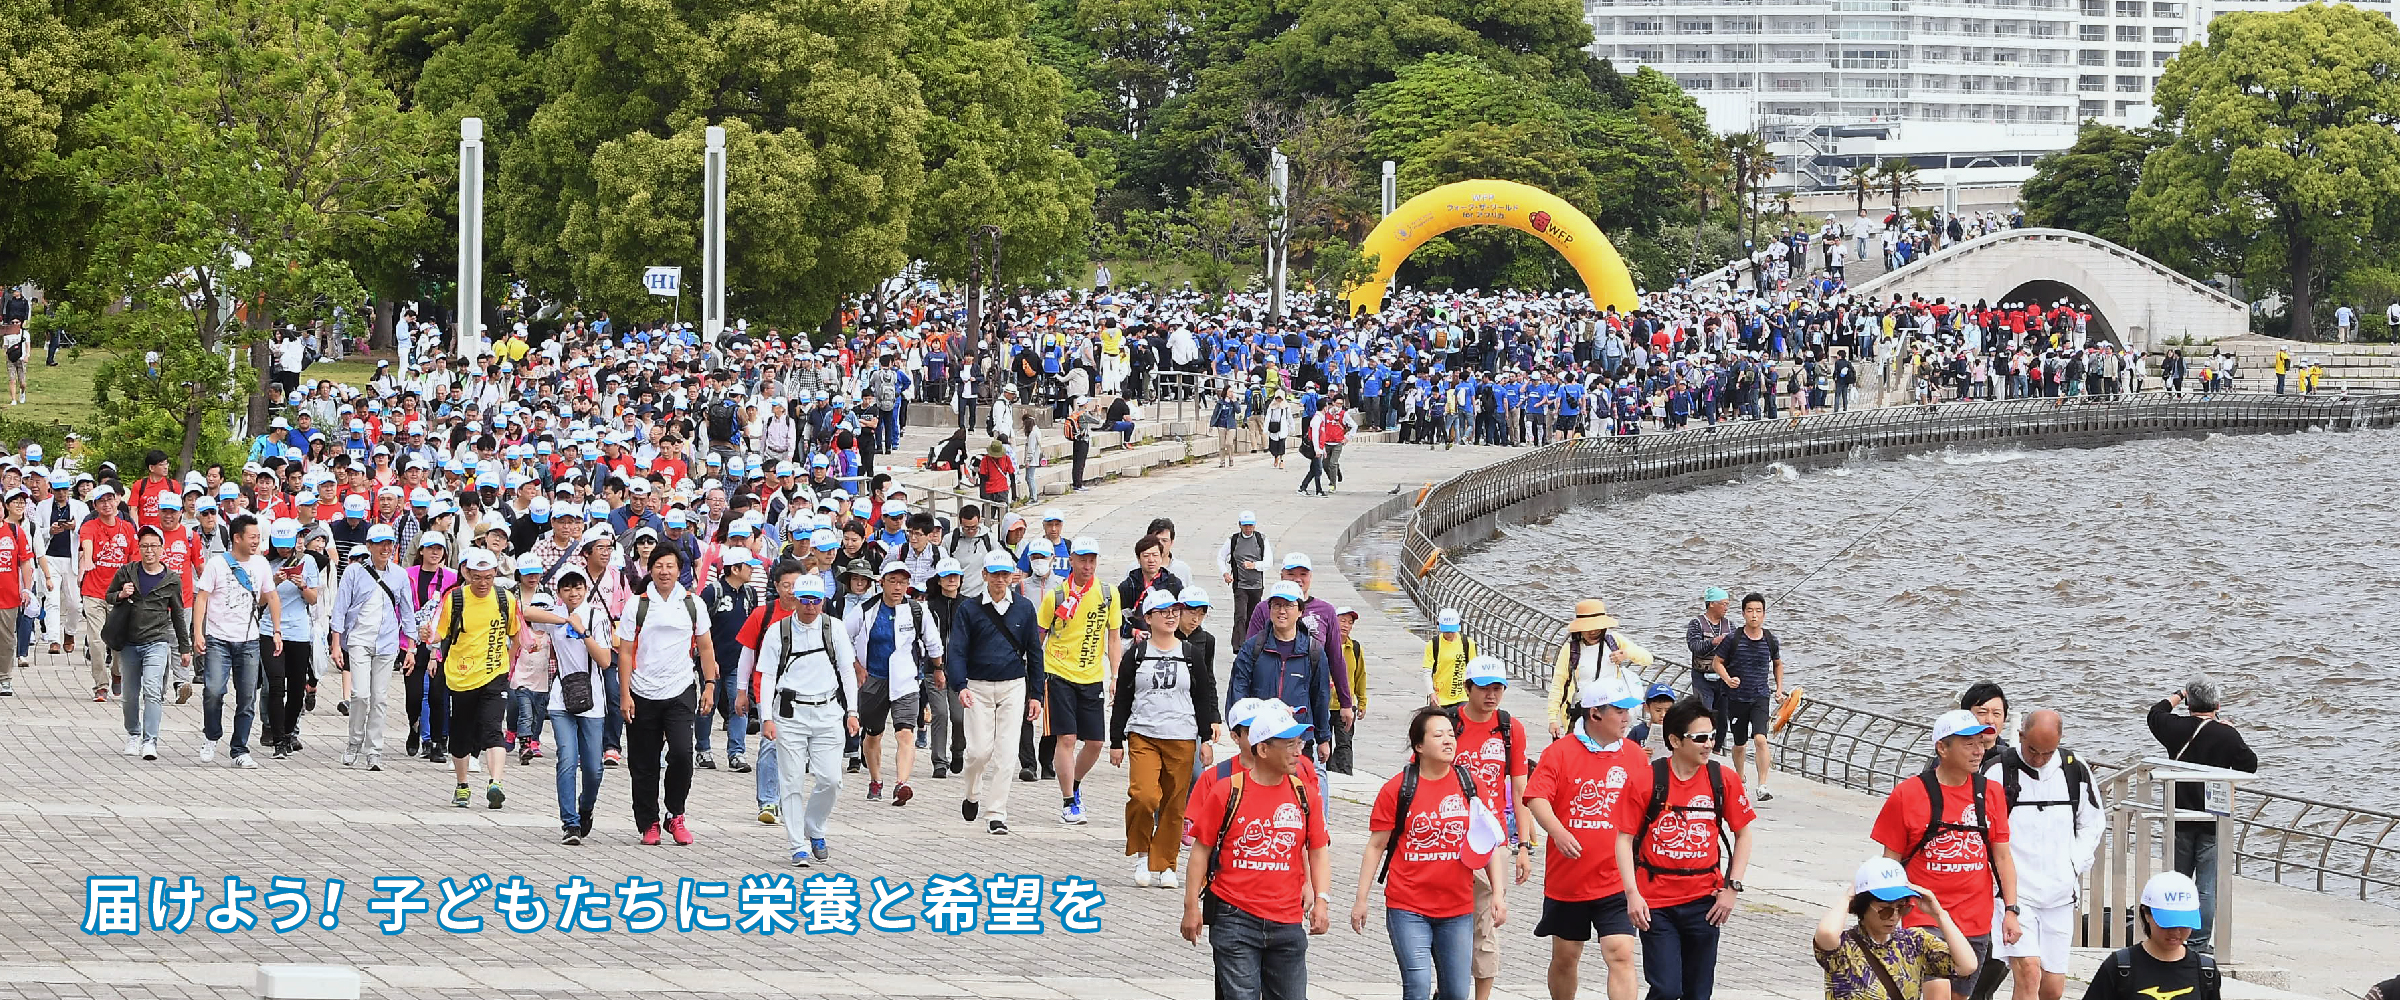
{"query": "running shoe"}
(1765, 796)
(282, 750)
(349, 757)
(374, 762)
(706, 762)
(902, 794)
(492, 796)
(941, 770)
(1071, 815)
(133, 745)
(8, 689)
(680, 830)
(816, 849)
(245, 762)
(149, 749)
(614, 758)
(1141, 872)
(801, 858)
(570, 836)
(462, 796)
(100, 694)
(738, 765)
(1166, 879)
(650, 836)
(475, 764)
(766, 814)
(874, 791)
(999, 828)
(968, 808)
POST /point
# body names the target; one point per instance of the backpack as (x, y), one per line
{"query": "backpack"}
(1660, 777)
(1507, 728)
(2013, 769)
(1210, 906)
(1935, 826)
(1408, 797)
(641, 614)
(458, 614)
(825, 641)
(2209, 977)
(723, 417)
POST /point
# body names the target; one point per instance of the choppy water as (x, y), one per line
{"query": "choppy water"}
(2092, 581)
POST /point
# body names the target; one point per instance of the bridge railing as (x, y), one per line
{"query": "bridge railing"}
(2009, 237)
(1846, 745)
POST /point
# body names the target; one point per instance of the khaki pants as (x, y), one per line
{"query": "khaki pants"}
(1487, 939)
(1161, 779)
(95, 615)
(11, 619)
(992, 724)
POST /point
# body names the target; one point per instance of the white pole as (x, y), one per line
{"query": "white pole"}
(470, 237)
(1279, 179)
(1391, 187)
(712, 267)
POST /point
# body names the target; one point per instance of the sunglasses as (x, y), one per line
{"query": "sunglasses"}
(1707, 737)
(809, 600)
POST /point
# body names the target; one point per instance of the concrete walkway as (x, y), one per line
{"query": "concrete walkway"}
(76, 809)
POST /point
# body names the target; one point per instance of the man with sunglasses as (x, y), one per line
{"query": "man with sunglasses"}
(811, 707)
(1681, 877)
(1949, 828)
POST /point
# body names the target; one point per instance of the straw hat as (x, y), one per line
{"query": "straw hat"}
(1591, 614)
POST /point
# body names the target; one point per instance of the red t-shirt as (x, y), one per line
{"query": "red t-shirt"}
(112, 548)
(1954, 865)
(1582, 788)
(183, 553)
(1264, 868)
(753, 629)
(1479, 752)
(16, 547)
(1681, 839)
(145, 499)
(1428, 876)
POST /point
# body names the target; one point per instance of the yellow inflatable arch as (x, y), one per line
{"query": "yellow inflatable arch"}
(1497, 203)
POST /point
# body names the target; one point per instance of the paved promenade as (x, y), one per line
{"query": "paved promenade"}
(75, 808)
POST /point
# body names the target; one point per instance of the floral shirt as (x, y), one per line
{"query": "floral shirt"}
(1914, 955)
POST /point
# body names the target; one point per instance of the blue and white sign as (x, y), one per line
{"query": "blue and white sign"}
(666, 281)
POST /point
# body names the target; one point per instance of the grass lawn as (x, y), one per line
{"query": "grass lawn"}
(63, 394)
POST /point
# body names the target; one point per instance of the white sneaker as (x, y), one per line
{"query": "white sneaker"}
(149, 749)
(349, 757)
(475, 764)
(246, 762)
(208, 752)
(1166, 880)
(1141, 872)
(133, 745)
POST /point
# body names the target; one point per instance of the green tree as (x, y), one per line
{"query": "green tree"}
(1859, 180)
(2087, 186)
(240, 151)
(2285, 165)
(1899, 177)
(1752, 165)
(995, 145)
(54, 67)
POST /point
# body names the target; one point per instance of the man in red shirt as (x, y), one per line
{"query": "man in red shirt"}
(1260, 849)
(17, 558)
(1488, 749)
(147, 491)
(1680, 885)
(1958, 849)
(104, 544)
(1574, 795)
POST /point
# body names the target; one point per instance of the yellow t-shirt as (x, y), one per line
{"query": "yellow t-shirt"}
(481, 652)
(1446, 659)
(1076, 646)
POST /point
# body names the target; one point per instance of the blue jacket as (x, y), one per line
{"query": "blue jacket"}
(979, 649)
(1265, 668)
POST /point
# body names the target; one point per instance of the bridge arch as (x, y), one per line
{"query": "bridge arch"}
(2137, 302)
(1496, 203)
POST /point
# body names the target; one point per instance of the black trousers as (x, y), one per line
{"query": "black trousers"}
(287, 678)
(1245, 604)
(1083, 451)
(664, 723)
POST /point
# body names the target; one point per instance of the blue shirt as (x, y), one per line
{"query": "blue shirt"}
(880, 642)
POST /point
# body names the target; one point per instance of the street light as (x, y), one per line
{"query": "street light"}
(470, 237)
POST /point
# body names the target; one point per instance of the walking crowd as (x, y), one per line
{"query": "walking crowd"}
(620, 547)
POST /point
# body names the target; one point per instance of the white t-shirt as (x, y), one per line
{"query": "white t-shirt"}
(663, 661)
(569, 655)
(232, 608)
(293, 354)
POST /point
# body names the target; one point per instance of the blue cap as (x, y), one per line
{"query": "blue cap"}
(1715, 594)
(809, 585)
(2173, 899)
(381, 533)
(1659, 690)
(1486, 670)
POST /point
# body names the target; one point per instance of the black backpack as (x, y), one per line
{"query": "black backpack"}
(2210, 984)
(1660, 776)
(2013, 770)
(1408, 797)
(1935, 826)
(723, 417)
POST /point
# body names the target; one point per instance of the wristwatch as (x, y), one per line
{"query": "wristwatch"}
(2012, 908)
(1733, 884)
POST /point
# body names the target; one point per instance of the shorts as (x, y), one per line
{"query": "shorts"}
(1743, 720)
(2046, 935)
(1486, 964)
(1981, 944)
(876, 707)
(1575, 920)
(1076, 710)
(475, 718)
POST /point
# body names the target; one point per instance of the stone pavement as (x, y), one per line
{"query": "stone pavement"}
(76, 809)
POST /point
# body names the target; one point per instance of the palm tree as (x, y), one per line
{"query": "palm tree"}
(1900, 178)
(1752, 165)
(1861, 182)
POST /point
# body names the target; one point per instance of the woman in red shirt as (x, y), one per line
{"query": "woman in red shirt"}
(1429, 884)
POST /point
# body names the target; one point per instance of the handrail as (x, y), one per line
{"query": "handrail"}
(1844, 745)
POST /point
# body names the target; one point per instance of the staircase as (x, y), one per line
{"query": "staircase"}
(2347, 366)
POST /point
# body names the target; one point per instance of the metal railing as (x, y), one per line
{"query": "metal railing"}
(1843, 745)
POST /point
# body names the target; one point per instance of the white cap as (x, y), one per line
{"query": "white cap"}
(997, 561)
(1157, 600)
(1193, 597)
(948, 567)
(1447, 621)
(1274, 721)
(1484, 670)
(2173, 900)
(1882, 878)
(1246, 518)
(1240, 713)
(1054, 514)
(1609, 690)
(1084, 545)
(1298, 560)
(432, 538)
(1285, 590)
(1957, 722)
(735, 555)
(530, 563)
(479, 559)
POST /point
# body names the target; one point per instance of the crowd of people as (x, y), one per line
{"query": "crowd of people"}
(618, 547)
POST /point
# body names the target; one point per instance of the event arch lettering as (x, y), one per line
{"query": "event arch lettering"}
(1497, 203)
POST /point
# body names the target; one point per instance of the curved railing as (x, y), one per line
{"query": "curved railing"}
(2012, 237)
(1838, 744)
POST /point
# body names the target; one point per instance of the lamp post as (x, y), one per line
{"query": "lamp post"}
(1279, 227)
(712, 238)
(470, 237)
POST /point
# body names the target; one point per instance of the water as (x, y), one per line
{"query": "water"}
(2092, 581)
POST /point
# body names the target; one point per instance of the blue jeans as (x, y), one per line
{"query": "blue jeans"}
(2196, 856)
(1437, 954)
(146, 667)
(1679, 951)
(237, 662)
(575, 745)
(737, 727)
(1258, 959)
(613, 736)
(526, 709)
